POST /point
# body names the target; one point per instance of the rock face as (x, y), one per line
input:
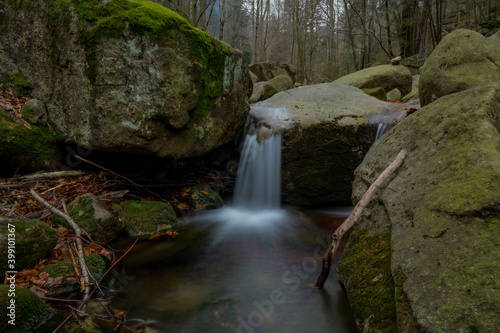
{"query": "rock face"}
(129, 76)
(33, 241)
(427, 245)
(462, 60)
(328, 129)
(261, 91)
(385, 76)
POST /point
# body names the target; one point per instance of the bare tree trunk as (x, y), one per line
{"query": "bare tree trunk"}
(351, 37)
(388, 28)
(222, 19)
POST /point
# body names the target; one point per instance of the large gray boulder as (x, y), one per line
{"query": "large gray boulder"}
(462, 60)
(385, 76)
(115, 81)
(327, 130)
(281, 82)
(424, 254)
(261, 91)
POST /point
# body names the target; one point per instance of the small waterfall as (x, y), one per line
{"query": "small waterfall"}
(381, 130)
(258, 181)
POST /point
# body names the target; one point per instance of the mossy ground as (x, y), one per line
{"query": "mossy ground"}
(365, 270)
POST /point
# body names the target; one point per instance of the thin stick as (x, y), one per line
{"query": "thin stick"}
(78, 233)
(356, 213)
(52, 175)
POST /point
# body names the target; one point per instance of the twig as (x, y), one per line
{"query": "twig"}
(78, 233)
(356, 213)
(93, 290)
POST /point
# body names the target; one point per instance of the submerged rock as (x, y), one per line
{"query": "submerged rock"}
(385, 76)
(462, 60)
(127, 76)
(328, 128)
(440, 212)
(144, 218)
(33, 241)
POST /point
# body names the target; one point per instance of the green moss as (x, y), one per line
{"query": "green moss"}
(142, 218)
(27, 112)
(378, 93)
(365, 270)
(19, 3)
(20, 85)
(38, 144)
(32, 315)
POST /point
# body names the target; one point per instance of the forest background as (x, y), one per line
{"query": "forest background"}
(326, 39)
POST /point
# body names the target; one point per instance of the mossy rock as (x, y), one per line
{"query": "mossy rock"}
(385, 76)
(204, 197)
(442, 207)
(31, 313)
(144, 218)
(365, 274)
(411, 96)
(34, 240)
(93, 216)
(90, 56)
(35, 148)
(463, 59)
(378, 93)
(34, 112)
(96, 263)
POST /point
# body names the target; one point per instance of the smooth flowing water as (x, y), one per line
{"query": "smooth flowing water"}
(248, 267)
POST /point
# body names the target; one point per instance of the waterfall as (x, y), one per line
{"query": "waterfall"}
(258, 180)
(381, 130)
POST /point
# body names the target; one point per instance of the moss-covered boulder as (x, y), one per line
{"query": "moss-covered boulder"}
(281, 82)
(378, 93)
(441, 211)
(385, 76)
(204, 197)
(126, 76)
(32, 241)
(144, 218)
(462, 60)
(93, 216)
(31, 313)
(34, 148)
(328, 129)
(35, 112)
(261, 91)
(96, 264)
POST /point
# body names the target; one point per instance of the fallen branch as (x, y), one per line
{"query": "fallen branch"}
(52, 175)
(356, 213)
(78, 233)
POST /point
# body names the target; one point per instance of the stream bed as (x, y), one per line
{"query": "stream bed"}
(238, 271)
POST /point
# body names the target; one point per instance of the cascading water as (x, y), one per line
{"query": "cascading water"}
(255, 267)
(381, 130)
(258, 181)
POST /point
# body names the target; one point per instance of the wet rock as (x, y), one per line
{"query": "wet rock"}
(203, 197)
(33, 241)
(440, 213)
(327, 130)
